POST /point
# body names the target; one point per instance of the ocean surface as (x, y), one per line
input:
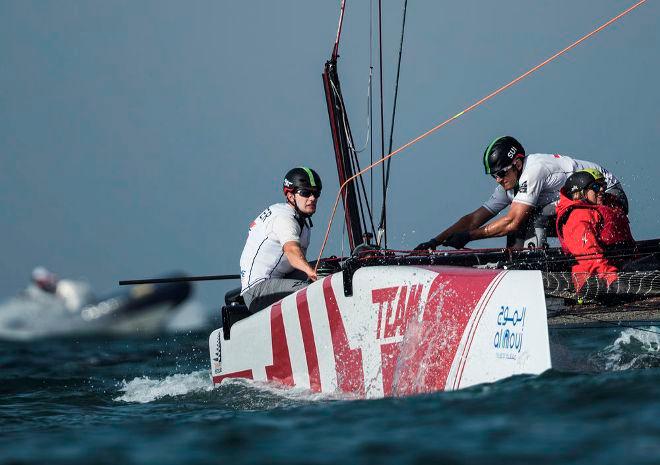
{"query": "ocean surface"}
(150, 400)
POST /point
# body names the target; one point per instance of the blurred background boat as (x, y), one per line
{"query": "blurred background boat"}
(52, 307)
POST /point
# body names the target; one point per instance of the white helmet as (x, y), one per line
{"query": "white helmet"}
(46, 280)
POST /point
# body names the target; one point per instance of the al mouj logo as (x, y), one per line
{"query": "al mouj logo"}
(508, 337)
(523, 187)
(287, 183)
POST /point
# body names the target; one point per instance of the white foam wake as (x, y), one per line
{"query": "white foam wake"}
(145, 389)
(286, 392)
(250, 393)
(633, 349)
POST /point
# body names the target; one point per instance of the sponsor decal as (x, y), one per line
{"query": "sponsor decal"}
(523, 187)
(216, 361)
(397, 306)
(512, 152)
(287, 183)
(265, 214)
(508, 338)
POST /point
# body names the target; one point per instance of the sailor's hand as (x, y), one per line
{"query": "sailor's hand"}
(457, 240)
(429, 245)
(312, 276)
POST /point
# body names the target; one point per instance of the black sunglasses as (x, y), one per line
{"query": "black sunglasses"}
(306, 193)
(596, 187)
(501, 173)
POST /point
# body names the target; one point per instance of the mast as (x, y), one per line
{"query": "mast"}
(354, 196)
(342, 140)
(357, 209)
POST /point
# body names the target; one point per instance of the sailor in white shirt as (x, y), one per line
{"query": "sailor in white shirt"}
(530, 185)
(273, 263)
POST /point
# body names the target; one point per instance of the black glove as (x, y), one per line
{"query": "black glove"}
(457, 240)
(431, 244)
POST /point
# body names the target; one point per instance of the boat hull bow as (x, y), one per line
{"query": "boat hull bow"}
(404, 330)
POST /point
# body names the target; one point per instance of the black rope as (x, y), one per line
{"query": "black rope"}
(382, 124)
(360, 188)
(371, 101)
(383, 213)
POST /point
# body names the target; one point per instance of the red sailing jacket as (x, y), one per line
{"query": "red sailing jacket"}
(589, 230)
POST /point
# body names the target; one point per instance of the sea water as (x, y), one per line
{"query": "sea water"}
(150, 400)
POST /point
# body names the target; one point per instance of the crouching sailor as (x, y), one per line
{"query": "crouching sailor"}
(530, 186)
(589, 222)
(273, 263)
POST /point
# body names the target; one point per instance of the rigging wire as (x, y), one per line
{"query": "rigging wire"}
(335, 49)
(467, 109)
(383, 214)
(371, 102)
(355, 164)
(354, 161)
(367, 139)
(382, 125)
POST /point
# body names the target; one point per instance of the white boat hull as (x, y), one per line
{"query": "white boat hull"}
(405, 330)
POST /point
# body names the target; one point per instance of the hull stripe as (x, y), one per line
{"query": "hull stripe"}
(430, 354)
(473, 329)
(237, 374)
(348, 362)
(280, 370)
(308, 341)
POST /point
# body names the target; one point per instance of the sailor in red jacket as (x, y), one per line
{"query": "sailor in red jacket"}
(589, 222)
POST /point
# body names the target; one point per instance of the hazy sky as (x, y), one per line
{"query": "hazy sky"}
(138, 137)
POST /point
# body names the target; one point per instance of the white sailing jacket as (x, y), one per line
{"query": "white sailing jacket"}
(542, 177)
(263, 257)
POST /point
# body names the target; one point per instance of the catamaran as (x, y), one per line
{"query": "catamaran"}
(383, 322)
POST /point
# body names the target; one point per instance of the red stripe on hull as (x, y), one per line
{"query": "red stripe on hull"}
(237, 374)
(280, 370)
(389, 356)
(308, 341)
(348, 362)
(428, 350)
(473, 329)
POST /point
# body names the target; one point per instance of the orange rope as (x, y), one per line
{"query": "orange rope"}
(470, 108)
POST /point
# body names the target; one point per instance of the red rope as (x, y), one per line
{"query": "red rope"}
(470, 108)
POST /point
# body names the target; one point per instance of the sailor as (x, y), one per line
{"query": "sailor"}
(44, 279)
(73, 294)
(273, 263)
(530, 186)
(589, 222)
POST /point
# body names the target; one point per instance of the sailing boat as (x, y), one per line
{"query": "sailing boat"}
(383, 322)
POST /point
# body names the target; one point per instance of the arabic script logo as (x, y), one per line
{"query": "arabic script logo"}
(508, 338)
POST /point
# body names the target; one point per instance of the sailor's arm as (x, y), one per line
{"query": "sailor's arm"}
(468, 222)
(509, 223)
(297, 259)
